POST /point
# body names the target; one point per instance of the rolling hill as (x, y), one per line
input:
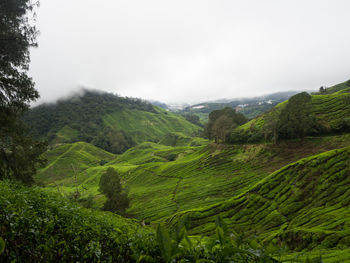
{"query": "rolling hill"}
(106, 120)
(165, 179)
(331, 112)
(69, 159)
(304, 205)
(294, 192)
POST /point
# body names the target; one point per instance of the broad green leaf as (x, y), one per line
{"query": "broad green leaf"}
(2, 245)
(271, 249)
(204, 261)
(165, 243)
(254, 244)
(145, 259)
(220, 235)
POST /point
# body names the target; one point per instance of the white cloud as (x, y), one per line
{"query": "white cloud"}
(190, 50)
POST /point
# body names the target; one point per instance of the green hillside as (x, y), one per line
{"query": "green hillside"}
(144, 126)
(331, 112)
(305, 205)
(164, 179)
(106, 120)
(292, 192)
(66, 160)
(335, 88)
(166, 183)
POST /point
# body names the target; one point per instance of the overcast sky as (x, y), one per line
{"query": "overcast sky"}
(190, 50)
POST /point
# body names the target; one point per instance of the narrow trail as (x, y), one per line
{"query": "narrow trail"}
(174, 194)
(173, 199)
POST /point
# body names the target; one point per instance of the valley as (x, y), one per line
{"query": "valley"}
(293, 192)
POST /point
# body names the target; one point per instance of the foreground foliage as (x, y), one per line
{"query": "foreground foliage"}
(40, 227)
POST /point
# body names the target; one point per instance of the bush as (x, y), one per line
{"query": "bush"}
(38, 226)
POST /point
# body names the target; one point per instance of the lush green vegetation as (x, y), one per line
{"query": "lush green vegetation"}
(37, 226)
(70, 159)
(165, 179)
(263, 190)
(329, 111)
(304, 205)
(263, 202)
(336, 88)
(106, 120)
(117, 197)
(19, 153)
(203, 177)
(222, 122)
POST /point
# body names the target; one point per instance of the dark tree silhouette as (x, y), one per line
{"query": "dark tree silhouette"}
(117, 197)
(18, 152)
(295, 120)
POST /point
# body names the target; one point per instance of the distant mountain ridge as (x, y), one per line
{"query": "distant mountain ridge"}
(250, 107)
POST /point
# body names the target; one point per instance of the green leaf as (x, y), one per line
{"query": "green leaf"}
(145, 259)
(271, 249)
(2, 245)
(188, 242)
(165, 243)
(220, 235)
(181, 235)
(204, 261)
(254, 244)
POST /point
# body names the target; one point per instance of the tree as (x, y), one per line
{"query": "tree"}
(17, 35)
(193, 119)
(271, 125)
(19, 153)
(222, 128)
(295, 120)
(222, 122)
(113, 141)
(117, 197)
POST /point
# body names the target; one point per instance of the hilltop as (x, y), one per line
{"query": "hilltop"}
(106, 120)
(330, 112)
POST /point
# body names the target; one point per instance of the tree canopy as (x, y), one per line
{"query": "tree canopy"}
(222, 122)
(117, 197)
(19, 153)
(295, 120)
